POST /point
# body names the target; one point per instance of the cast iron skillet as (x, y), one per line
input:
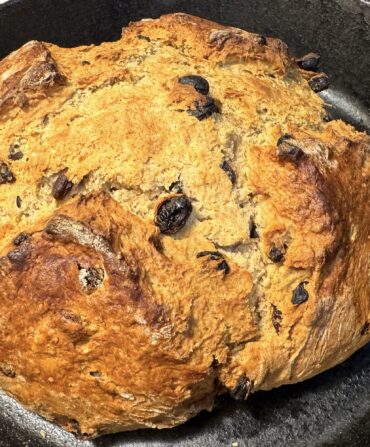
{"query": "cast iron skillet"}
(332, 409)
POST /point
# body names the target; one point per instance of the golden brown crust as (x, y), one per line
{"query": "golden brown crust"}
(101, 142)
(27, 74)
(108, 319)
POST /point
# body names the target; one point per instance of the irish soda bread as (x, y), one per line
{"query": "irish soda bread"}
(178, 220)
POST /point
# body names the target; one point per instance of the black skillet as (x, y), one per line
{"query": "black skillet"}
(332, 409)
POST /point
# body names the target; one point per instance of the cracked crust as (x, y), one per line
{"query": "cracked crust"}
(113, 346)
(113, 306)
(27, 74)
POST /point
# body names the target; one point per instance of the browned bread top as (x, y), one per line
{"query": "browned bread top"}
(166, 237)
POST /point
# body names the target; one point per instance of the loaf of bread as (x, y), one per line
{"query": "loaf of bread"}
(178, 220)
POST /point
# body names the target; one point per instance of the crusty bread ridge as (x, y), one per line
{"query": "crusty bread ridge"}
(111, 322)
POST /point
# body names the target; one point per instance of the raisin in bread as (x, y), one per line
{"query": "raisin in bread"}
(178, 220)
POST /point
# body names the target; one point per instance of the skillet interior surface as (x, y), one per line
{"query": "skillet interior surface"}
(332, 409)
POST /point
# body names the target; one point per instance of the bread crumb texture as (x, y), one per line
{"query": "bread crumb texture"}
(165, 240)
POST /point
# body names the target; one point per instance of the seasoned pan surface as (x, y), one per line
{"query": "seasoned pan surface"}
(332, 409)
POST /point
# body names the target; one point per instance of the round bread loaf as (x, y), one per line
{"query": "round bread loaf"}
(178, 220)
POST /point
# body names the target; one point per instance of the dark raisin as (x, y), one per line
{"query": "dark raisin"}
(242, 389)
(300, 294)
(214, 255)
(253, 233)
(85, 63)
(95, 373)
(319, 83)
(204, 109)
(8, 371)
(223, 265)
(22, 237)
(287, 150)
(365, 328)
(200, 84)
(309, 62)
(91, 278)
(275, 254)
(14, 152)
(61, 187)
(277, 317)
(176, 187)
(17, 256)
(18, 201)
(6, 175)
(229, 171)
(284, 138)
(142, 37)
(262, 40)
(173, 213)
